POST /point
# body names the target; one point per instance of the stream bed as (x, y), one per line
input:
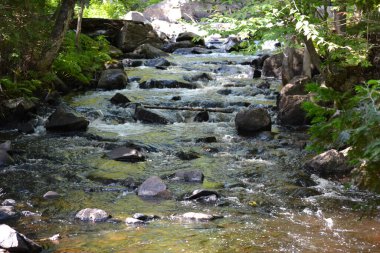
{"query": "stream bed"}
(267, 203)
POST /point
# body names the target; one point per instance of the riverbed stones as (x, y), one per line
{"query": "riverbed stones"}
(126, 154)
(252, 120)
(8, 202)
(111, 79)
(15, 242)
(171, 47)
(6, 146)
(187, 155)
(119, 99)
(272, 66)
(290, 111)
(331, 163)
(166, 84)
(134, 221)
(193, 176)
(152, 187)
(204, 77)
(157, 63)
(149, 117)
(296, 86)
(190, 36)
(92, 214)
(148, 51)
(63, 120)
(7, 212)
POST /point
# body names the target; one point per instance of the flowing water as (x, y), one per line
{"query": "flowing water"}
(267, 203)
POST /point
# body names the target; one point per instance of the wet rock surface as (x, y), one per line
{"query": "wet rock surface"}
(253, 120)
(126, 154)
(113, 79)
(152, 187)
(63, 120)
(92, 214)
(13, 241)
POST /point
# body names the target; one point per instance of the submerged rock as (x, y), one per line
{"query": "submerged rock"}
(328, 164)
(65, 121)
(209, 139)
(201, 117)
(252, 120)
(171, 47)
(7, 212)
(92, 214)
(153, 187)
(158, 62)
(204, 77)
(161, 84)
(190, 155)
(113, 79)
(198, 216)
(126, 154)
(189, 176)
(13, 241)
(6, 146)
(5, 158)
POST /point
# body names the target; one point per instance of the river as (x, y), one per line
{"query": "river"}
(268, 204)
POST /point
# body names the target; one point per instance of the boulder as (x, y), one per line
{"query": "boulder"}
(296, 86)
(166, 84)
(65, 121)
(13, 241)
(148, 51)
(92, 214)
(113, 79)
(290, 110)
(258, 63)
(5, 158)
(204, 77)
(126, 154)
(7, 212)
(201, 117)
(328, 164)
(18, 109)
(6, 146)
(157, 63)
(192, 50)
(232, 43)
(189, 176)
(8, 202)
(134, 221)
(152, 187)
(146, 116)
(145, 217)
(209, 139)
(272, 66)
(171, 47)
(132, 63)
(256, 73)
(135, 16)
(253, 120)
(190, 36)
(134, 34)
(115, 52)
(119, 99)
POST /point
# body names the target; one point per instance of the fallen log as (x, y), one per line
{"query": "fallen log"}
(196, 109)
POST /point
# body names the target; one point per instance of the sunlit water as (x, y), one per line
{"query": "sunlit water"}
(264, 204)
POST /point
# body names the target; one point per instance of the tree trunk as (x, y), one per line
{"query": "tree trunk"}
(314, 56)
(287, 70)
(56, 38)
(79, 25)
(306, 65)
(340, 22)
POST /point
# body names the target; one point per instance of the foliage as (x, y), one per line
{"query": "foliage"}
(82, 65)
(115, 8)
(353, 121)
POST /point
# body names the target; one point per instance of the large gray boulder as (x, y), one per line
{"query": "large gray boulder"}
(15, 242)
(290, 111)
(63, 120)
(328, 164)
(134, 34)
(135, 16)
(113, 79)
(252, 120)
(152, 187)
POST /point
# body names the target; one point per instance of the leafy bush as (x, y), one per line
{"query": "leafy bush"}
(84, 63)
(353, 120)
(23, 88)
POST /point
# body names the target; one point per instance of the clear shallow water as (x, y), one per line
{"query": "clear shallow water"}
(265, 208)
